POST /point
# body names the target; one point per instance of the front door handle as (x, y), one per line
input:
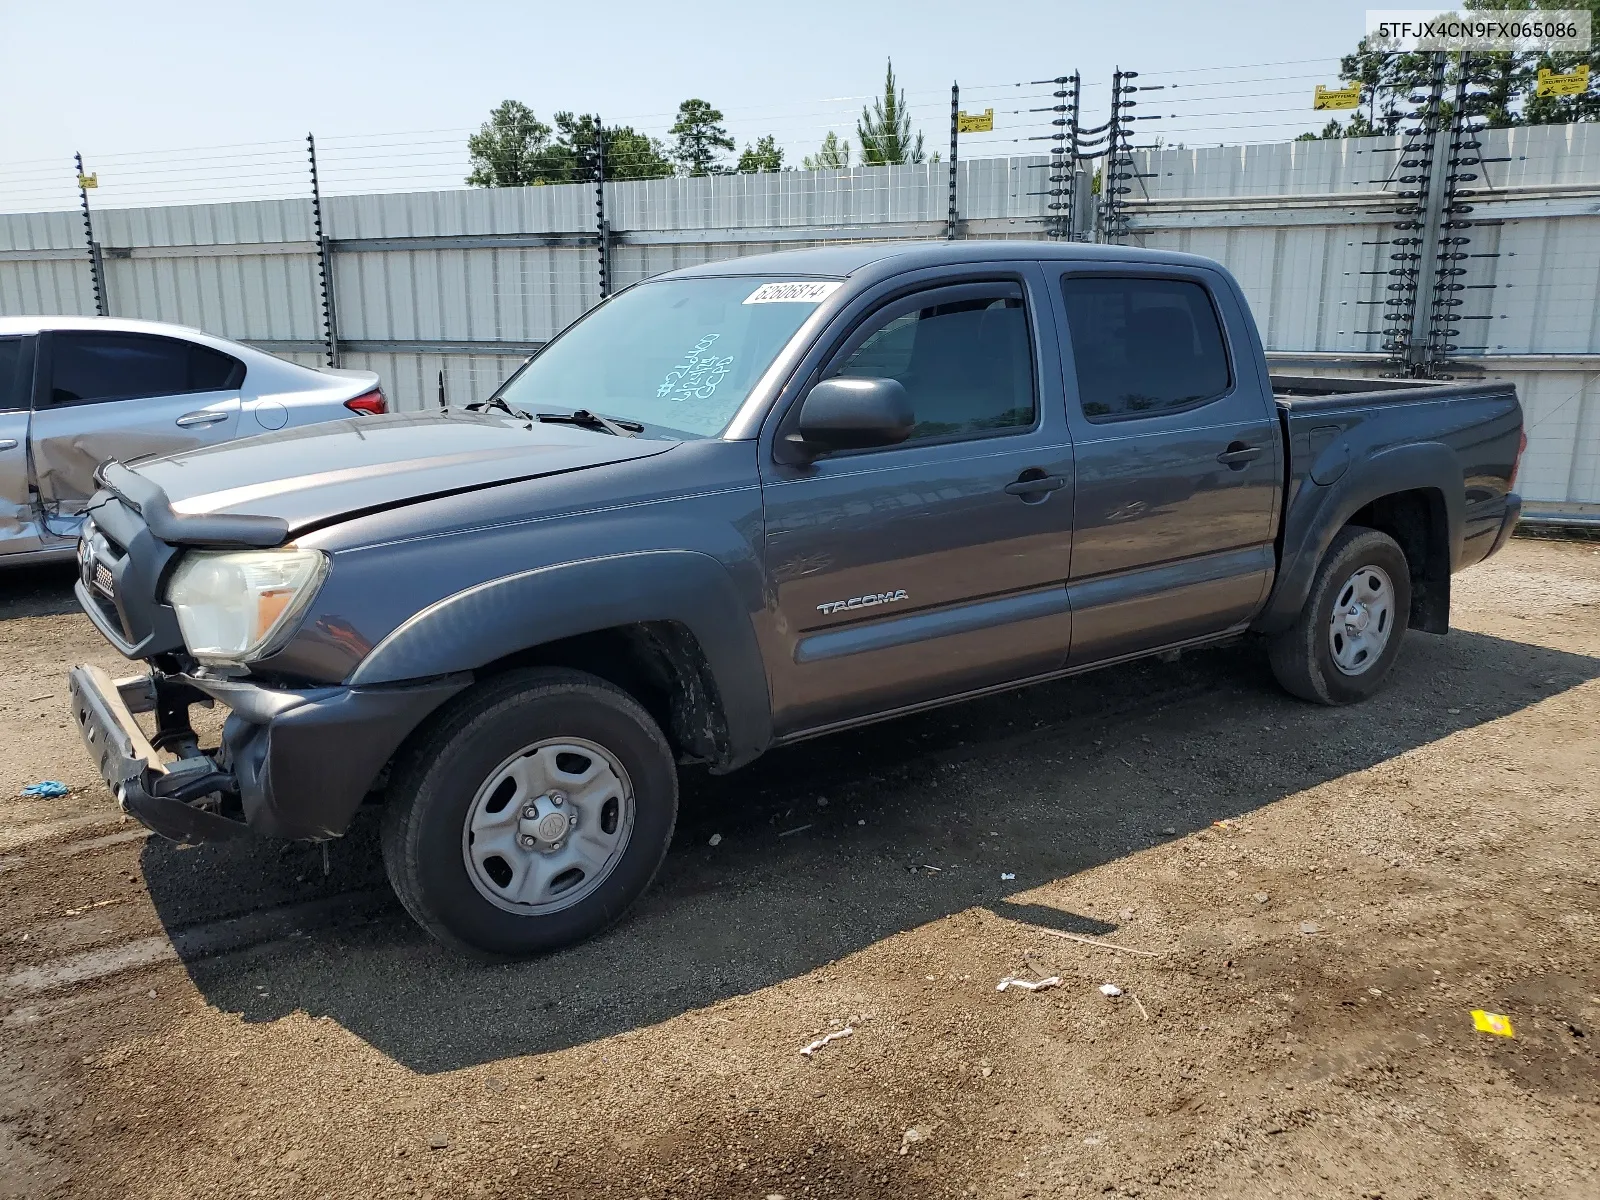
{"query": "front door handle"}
(1238, 454)
(200, 417)
(8, 443)
(1034, 484)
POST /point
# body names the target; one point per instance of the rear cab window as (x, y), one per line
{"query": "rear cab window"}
(1144, 346)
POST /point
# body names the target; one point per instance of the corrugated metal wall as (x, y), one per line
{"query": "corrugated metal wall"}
(1304, 227)
(456, 287)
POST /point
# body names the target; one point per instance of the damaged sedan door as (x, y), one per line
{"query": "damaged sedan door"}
(124, 396)
(19, 528)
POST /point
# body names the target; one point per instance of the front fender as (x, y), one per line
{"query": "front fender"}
(480, 624)
(1315, 513)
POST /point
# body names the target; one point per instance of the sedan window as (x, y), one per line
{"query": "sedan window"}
(89, 368)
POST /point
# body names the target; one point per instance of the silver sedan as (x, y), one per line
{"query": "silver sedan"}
(75, 391)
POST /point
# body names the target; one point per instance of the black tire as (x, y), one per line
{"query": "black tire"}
(438, 776)
(1302, 656)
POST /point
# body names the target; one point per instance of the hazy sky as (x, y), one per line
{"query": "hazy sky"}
(391, 89)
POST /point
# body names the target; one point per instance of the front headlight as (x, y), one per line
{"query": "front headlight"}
(232, 604)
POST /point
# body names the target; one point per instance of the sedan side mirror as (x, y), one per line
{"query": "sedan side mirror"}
(852, 414)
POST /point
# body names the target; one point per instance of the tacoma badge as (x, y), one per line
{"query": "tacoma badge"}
(833, 606)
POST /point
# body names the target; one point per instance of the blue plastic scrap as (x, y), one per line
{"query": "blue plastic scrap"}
(46, 789)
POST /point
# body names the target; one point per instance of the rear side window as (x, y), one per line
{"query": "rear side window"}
(967, 365)
(1143, 347)
(12, 392)
(213, 371)
(88, 368)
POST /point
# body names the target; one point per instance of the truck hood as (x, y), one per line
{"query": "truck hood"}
(318, 473)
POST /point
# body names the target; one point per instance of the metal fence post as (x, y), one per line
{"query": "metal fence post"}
(952, 227)
(1405, 321)
(1060, 208)
(96, 265)
(602, 226)
(324, 275)
(1464, 162)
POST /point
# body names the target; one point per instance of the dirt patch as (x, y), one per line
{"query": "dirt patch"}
(1322, 896)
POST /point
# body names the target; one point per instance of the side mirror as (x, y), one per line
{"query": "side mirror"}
(853, 414)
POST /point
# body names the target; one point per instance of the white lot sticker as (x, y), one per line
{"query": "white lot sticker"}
(813, 292)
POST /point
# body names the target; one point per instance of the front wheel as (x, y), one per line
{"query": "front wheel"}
(1348, 634)
(531, 814)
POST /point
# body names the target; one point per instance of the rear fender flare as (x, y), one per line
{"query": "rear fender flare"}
(478, 625)
(1317, 513)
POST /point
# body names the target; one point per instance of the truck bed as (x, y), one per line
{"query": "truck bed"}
(1349, 440)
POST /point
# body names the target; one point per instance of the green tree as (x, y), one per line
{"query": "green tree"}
(629, 153)
(765, 155)
(700, 138)
(510, 149)
(885, 130)
(515, 149)
(832, 155)
(1507, 82)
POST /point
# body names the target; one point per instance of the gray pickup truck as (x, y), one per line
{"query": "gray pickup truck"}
(743, 504)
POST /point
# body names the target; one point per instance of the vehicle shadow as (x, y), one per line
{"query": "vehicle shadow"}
(826, 847)
(40, 590)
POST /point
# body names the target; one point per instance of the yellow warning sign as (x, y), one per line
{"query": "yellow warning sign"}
(1573, 83)
(1342, 97)
(975, 122)
(1488, 1022)
(89, 181)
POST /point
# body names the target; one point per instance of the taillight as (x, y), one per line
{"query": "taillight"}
(1522, 447)
(371, 403)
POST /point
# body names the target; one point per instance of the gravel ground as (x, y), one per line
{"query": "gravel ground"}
(1312, 901)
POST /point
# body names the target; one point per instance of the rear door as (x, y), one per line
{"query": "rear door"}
(939, 565)
(18, 528)
(124, 396)
(1179, 472)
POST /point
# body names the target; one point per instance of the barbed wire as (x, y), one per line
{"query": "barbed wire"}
(438, 158)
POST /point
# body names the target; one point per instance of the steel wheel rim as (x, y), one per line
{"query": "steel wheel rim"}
(1363, 620)
(548, 826)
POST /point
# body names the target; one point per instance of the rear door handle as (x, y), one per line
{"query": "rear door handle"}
(1238, 454)
(203, 416)
(1035, 484)
(8, 443)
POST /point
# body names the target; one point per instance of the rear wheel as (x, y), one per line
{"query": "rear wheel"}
(1347, 636)
(531, 814)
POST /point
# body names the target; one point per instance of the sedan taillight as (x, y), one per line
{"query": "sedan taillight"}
(371, 403)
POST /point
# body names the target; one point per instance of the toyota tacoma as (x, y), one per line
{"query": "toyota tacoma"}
(740, 505)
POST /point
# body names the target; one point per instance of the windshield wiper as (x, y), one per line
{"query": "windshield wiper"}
(585, 419)
(496, 402)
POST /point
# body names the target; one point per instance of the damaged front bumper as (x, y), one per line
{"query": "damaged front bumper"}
(293, 763)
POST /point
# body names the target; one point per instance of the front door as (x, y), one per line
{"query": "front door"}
(936, 566)
(19, 530)
(1179, 473)
(123, 396)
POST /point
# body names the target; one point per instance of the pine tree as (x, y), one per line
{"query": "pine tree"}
(700, 136)
(885, 130)
(832, 155)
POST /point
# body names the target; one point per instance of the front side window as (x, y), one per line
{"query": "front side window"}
(678, 355)
(89, 368)
(1143, 347)
(967, 365)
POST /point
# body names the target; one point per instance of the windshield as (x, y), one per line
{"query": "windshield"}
(679, 355)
